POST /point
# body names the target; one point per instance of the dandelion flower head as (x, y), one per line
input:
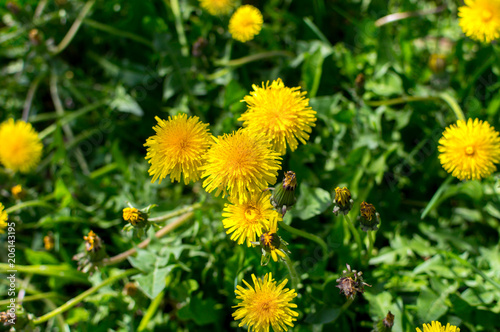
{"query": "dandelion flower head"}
(270, 239)
(217, 7)
(239, 164)
(177, 148)
(480, 19)
(132, 215)
(469, 150)
(245, 23)
(437, 327)
(21, 147)
(283, 114)
(245, 221)
(3, 219)
(266, 304)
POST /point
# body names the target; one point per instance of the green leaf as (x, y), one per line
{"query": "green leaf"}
(202, 311)
(147, 261)
(123, 102)
(77, 315)
(311, 202)
(39, 257)
(431, 306)
(154, 282)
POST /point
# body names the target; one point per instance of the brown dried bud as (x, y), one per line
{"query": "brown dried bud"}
(351, 282)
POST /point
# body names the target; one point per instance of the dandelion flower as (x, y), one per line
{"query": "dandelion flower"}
(177, 148)
(17, 191)
(246, 220)
(469, 150)
(271, 243)
(3, 219)
(132, 215)
(480, 19)
(48, 242)
(436, 327)
(245, 23)
(281, 113)
(21, 147)
(240, 163)
(266, 304)
(217, 7)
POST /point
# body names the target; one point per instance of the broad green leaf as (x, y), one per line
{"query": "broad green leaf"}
(311, 202)
(154, 282)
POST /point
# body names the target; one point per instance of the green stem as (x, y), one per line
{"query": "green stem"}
(175, 213)
(66, 128)
(291, 270)
(74, 28)
(57, 271)
(453, 105)
(252, 58)
(371, 241)
(162, 232)
(355, 233)
(306, 235)
(41, 296)
(74, 301)
(30, 95)
(117, 32)
(23, 205)
(174, 4)
(151, 311)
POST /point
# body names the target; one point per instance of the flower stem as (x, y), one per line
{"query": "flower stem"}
(371, 241)
(307, 235)
(291, 270)
(23, 205)
(175, 213)
(355, 233)
(162, 232)
(74, 301)
(174, 4)
(252, 58)
(41, 296)
(151, 311)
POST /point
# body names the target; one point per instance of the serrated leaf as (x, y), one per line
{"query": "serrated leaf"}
(154, 282)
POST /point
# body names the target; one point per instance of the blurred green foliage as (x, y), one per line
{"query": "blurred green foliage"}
(437, 256)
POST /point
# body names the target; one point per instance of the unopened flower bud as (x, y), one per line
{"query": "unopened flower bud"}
(351, 282)
(369, 218)
(18, 192)
(48, 242)
(135, 217)
(342, 202)
(437, 63)
(386, 324)
(283, 197)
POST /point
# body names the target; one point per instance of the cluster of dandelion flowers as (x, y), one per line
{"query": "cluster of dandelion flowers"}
(282, 113)
(266, 304)
(3, 219)
(480, 19)
(245, 23)
(437, 327)
(469, 150)
(239, 164)
(217, 7)
(177, 148)
(21, 147)
(245, 221)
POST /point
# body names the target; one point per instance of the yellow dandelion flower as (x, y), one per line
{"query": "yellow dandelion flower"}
(217, 7)
(17, 191)
(281, 113)
(92, 241)
(240, 163)
(480, 19)
(270, 240)
(266, 304)
(245, 23)
(132, 215)
(246, 220)
(3, 219)
(469, 150)
(48, 242)
(436, 327)
(21, 147)
(177, 148)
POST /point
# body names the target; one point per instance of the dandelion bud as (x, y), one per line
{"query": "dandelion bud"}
(437, 63)
(135, 217)
(351, 282)
(385, 325)
(17, 192)
(48, 242)
(130, 288)
(35, 37)
(360, 83)
(198, 47)
(369, 218)
(93, 255)
(342, 202)
(283, 197)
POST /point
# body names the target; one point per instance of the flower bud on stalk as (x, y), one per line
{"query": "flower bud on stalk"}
(342, 202)
(137, 220)
(369, 218)
(386, 324)
(93, 255)
(283, 197)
